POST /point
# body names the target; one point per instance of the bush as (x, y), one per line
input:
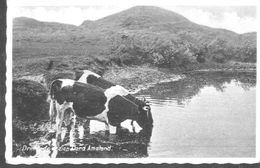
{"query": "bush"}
(158, 59)
(29, 100)
(219, 58)
(129, 59)
(200, 59)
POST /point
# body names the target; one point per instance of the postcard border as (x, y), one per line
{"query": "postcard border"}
(8, 129)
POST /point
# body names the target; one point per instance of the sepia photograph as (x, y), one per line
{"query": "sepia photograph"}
(131, 83)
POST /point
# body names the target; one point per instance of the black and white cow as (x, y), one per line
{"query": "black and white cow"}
(90, 77)
(91, 102)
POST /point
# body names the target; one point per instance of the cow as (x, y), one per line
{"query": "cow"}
(93, 103)
(90, 77)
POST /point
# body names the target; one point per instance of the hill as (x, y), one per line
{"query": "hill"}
(139, 35)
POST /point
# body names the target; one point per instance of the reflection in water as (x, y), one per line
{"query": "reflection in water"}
(183, 90)
(209, 114)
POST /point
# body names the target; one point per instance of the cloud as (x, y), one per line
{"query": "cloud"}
(234, 19)
(70, 15)
(238, 24)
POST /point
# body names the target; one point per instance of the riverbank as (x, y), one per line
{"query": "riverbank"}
(136, 78)
(229, 66)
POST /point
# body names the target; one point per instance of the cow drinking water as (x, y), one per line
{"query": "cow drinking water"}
(90, 77)
(91, 102)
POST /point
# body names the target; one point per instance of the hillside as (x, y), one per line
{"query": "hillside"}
(139, 35)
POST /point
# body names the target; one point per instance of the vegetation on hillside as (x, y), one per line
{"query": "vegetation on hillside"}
(139, 35)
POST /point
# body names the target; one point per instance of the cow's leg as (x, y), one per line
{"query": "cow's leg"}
(52, 111)
(60, 119)
(86, 126)
(58, 128)
(118, 129)
(107, 131)
(69, 120)
(132, 124)
(80, 129)
(72, 131)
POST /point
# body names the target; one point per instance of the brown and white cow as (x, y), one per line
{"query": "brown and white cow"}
(87, 101)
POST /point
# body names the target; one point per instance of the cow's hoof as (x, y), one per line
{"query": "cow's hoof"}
(107, 133)
(87, 131)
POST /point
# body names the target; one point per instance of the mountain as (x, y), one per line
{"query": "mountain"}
(141, 17)
(142, 34)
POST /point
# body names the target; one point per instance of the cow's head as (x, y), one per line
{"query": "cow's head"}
(56, 96)
(55, 87)
(145, 119)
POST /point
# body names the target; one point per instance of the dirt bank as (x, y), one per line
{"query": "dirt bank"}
(136, 78)
(133, 78)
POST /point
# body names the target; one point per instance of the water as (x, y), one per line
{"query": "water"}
(204, 115)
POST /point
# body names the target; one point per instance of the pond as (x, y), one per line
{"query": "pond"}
(206, 114)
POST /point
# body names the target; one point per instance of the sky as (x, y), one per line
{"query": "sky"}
(240, 19)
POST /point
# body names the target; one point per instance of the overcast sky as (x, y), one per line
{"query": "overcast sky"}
(239, 19)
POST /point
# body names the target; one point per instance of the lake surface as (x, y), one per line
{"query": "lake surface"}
(207, 114)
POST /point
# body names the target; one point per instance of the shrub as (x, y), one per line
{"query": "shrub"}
(200, 59)
(29, 100)
(219, 58)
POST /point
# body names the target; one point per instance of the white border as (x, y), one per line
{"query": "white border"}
(8, 112)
